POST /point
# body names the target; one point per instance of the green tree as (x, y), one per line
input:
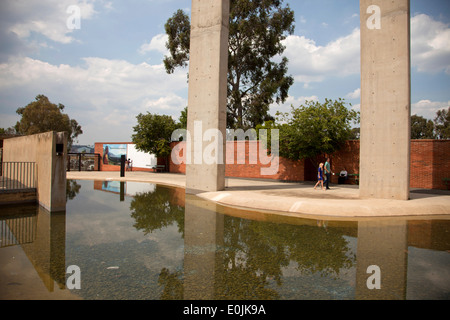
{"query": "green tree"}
(41, 116)
(178, 30)
(421, 128)
(156, 210)
(8, 131)
(183, 118)
(153, 134)
(256, 31)
(356, 133)
(442, 124)
(315, 128)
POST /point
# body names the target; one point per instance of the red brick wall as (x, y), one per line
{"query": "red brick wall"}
(429, 164)
(346, 158)
(248, 152)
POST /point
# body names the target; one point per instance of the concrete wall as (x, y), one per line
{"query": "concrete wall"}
(385, 99)
(50, 166)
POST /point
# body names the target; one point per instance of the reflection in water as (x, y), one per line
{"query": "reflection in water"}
(248, 259)
(229, 257)
(72, 189)
(157, 209)
(383, 244)
(41, 236)
(144, 241)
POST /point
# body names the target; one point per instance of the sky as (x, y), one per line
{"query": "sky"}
(106, 67)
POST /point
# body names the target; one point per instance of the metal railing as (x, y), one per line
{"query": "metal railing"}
(83, 162)
(17, 176)
(17, 230)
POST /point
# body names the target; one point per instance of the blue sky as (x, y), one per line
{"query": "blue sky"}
(110, 69)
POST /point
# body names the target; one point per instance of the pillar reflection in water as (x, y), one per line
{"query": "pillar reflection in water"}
(203, 236)
(122, 191)
(42, 236)
(382, 243)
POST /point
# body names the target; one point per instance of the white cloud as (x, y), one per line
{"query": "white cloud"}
(166, 104)
(430, 44)
(356, 107)
(158, 43)
(101, 95)
(356, 94)
(291, 100)
(48, 18)
(428, 108)
(309, 62)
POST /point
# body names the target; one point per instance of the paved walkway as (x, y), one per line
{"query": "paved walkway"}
(296, 199)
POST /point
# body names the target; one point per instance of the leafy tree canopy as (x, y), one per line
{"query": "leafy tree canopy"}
(183, 118)
(421, 128)
(41, 116)
(8, 131)
(153, 133)
(442, 124)
(315, 128)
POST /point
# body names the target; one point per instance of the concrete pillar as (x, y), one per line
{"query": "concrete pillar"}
(207, 97)
(385, 99)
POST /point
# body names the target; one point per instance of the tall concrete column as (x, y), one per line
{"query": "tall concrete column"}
(385, 99)
(207, 100)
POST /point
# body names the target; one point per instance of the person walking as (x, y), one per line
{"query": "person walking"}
(327, 170)
(319, 176)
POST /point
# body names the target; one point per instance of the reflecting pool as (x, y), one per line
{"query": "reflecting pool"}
(144, 241)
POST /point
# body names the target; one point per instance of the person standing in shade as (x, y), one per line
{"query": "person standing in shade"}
(327, 171)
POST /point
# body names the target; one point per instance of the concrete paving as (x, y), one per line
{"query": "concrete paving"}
(297, 199)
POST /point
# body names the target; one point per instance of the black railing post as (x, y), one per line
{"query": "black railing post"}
(122, 165)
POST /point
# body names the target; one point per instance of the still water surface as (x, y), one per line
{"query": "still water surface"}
(144, 241)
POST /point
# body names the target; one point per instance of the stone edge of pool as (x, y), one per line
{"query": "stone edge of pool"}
(293, 198)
